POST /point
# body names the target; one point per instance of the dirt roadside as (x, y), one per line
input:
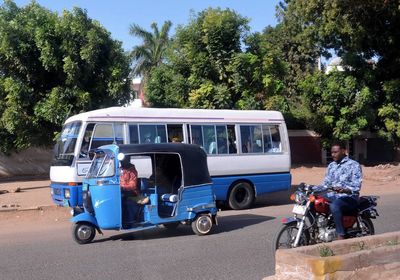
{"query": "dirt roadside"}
(35, 192)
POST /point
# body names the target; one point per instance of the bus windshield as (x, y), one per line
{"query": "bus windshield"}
(102, 166)
(65, 147)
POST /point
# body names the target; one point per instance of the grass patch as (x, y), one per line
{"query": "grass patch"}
(325, 251)
(392, 242)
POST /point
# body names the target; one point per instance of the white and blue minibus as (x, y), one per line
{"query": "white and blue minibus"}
(248, 151)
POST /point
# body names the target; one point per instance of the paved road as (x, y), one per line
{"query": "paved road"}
(238, 249)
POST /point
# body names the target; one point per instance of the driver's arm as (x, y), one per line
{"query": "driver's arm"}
(356, 178)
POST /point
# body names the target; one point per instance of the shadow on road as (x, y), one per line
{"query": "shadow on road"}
(276, 198)
(225, 224)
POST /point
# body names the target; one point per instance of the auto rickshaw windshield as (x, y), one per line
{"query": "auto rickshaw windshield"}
(103, 165)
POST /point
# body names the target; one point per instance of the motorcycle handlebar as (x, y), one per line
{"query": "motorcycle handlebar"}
(318, 189)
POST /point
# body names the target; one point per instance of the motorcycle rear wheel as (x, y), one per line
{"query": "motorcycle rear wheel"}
(286, 236)
(367, 226)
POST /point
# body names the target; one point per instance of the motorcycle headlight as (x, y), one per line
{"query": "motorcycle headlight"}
(67, 194)
(300, 197)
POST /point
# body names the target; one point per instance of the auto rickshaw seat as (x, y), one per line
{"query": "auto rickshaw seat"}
(146, 187)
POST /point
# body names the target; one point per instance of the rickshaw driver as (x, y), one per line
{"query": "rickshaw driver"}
(131, 198)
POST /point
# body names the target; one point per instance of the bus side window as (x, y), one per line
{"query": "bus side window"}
(103, 134)
(232, 139)
(272, 139)
(245, 138)
(210, 143)
(175, 133)
(87, 137)
(274, 143)
(133, 134)
(196, 135)
(251, 138)
(119, 133)
(150, 133)
(222, 139)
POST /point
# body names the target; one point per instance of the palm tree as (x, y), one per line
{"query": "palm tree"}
(151, 52)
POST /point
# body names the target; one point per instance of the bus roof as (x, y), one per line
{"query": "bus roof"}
(174, 115)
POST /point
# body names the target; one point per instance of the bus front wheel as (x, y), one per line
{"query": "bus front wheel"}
(241, 196)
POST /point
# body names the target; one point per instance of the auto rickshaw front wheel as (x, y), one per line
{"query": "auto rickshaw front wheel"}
(83, 233)
(202, 224)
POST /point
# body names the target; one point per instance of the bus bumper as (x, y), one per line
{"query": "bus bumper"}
(65, 195)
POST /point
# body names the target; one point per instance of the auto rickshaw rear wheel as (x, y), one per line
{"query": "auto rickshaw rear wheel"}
(83, 233)
(202, 224)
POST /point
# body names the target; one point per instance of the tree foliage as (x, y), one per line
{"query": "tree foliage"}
(218, 65)
(151, 53)
(341, 105)
(365, 34)
(172, 96)
(53, 66)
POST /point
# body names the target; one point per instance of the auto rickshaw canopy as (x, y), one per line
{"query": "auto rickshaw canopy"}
(193, 159)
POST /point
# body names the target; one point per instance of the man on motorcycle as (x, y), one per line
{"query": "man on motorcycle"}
(345, 176)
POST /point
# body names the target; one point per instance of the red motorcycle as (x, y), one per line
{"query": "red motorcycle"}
(313, 223)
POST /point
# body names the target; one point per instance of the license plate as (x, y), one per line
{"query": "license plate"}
(299, 209)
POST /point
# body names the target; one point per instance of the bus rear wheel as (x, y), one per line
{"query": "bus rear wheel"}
(241, 196)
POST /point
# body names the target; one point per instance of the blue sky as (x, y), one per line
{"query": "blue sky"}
(117, 15)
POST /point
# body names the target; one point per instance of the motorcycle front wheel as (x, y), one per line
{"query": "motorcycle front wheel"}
(285, 237)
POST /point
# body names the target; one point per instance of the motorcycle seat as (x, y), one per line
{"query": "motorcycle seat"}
(364, 202)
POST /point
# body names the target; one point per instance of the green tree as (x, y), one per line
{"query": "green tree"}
(166, 88)
(218, 65)
(295, 41)
(52, 67)
(365, 34)
(340, 105)
(258, 74)
(151, 53)
(389, 112)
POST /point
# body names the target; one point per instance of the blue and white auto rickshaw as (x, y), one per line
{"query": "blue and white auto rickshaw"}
(174, 177)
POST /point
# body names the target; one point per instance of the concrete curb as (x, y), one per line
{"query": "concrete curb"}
(33, 208)
(19, 178)
(350, 259)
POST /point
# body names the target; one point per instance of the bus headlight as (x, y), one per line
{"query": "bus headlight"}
(67, 193)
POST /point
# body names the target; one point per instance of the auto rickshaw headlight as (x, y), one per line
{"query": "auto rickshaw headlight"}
(67, 193)
(121, 156)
